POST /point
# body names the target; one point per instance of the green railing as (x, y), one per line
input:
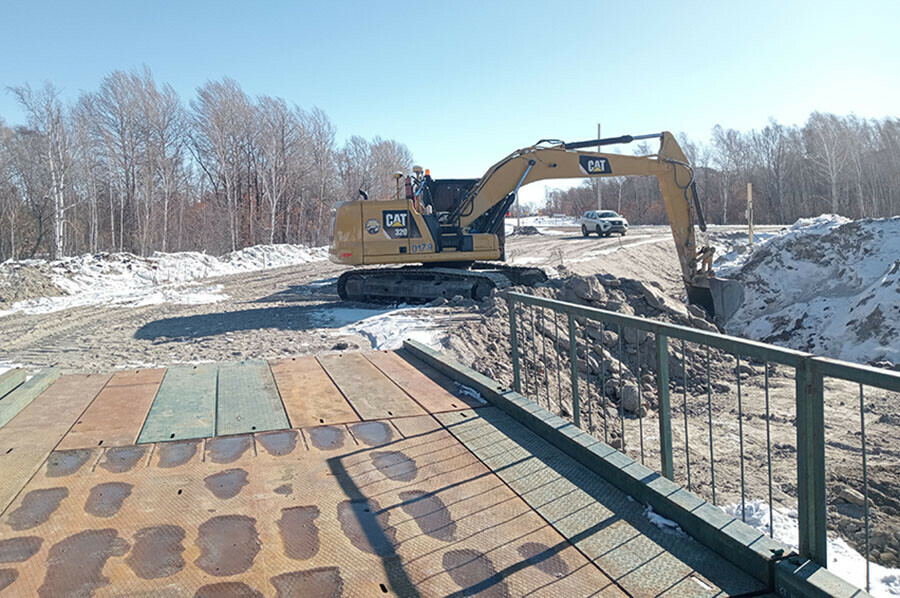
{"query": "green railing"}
(533, 376)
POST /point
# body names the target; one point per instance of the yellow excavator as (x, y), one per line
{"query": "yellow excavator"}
(452, 229)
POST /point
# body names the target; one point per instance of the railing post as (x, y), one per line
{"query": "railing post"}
(573, 354)
(811, 461)
(514, 341)
(665, 415)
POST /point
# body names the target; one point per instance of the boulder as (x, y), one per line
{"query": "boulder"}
(702, 324)
(851, 496)
(629, 398)
(610, 338)
(634, 336)
(696, 311)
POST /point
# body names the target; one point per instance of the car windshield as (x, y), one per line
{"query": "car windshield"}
(607, 215)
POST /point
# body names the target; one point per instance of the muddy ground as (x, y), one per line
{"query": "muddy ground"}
(284, 312)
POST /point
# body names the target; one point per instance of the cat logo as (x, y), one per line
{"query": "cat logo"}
(593, 165)
(396, 224)
(372, 226)
(395, 218)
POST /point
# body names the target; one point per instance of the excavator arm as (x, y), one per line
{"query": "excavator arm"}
(676, 182)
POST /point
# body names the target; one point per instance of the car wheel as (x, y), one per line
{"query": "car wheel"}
(623, 233)
(584, 231)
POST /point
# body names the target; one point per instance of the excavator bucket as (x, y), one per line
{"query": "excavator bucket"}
(727, 297)
(721, 299)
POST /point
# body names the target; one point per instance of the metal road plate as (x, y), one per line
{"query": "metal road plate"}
(309, 396)
(29, 437)
(598, 518)
(371, 393)
(133, 377)
(114, 418)
(433, 397)
(247, 400)
(273, 513)
(185, 406)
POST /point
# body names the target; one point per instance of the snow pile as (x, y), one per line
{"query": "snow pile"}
(826, 285)
(125, 279)
(843, 561)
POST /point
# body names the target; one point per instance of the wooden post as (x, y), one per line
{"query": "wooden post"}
(750, 210)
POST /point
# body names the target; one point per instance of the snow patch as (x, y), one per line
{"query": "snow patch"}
(542, 223)
(470, 392)
(666, 525)
(6, 366)
(843, 560)
(128, 280)
(385, 329)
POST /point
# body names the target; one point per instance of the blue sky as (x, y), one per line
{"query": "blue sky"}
(463, 83)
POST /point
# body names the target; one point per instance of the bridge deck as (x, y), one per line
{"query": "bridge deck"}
(363, 474)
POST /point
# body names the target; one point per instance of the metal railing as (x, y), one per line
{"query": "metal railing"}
(593, 382)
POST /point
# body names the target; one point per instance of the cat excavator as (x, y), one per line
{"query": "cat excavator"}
(453, 229)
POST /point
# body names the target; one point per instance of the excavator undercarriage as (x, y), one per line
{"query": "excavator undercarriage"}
(421, 284)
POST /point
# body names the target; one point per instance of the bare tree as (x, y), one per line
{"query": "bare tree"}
(45, 116)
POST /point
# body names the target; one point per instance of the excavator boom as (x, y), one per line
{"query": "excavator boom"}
(461, 221)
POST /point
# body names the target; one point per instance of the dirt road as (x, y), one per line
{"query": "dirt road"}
(290, 311)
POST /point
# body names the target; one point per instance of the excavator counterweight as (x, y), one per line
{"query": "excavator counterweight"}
(447, 226)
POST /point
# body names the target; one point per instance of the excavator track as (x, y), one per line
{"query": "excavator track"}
(421, 284)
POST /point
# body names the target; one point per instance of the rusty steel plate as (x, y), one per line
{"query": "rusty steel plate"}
(137, 377)
(371, 393)
(428, 393)
(29, 437)
(114, 418)
(309, 396)
(345, 510)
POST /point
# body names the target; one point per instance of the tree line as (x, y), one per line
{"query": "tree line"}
(131, 167)
(836, 164)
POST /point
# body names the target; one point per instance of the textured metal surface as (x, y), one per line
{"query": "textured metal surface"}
(345, 511)
(185, 406)
(600, 520)
(26, 441)
(247, 399)
(371, 393)
(309, 396)
(456, 504)
(114, 418)
(432, 397)
(16, 400)
(137, 377)
(10, 380)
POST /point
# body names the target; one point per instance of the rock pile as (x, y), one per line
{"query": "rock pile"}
(617, 366)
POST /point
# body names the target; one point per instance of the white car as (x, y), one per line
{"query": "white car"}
(604, 223)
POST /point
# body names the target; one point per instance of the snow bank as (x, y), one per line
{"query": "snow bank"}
(125, 279)
(826, 285)
(843, 561)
